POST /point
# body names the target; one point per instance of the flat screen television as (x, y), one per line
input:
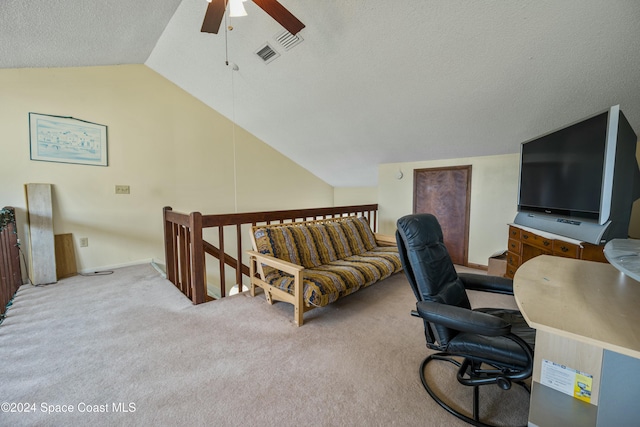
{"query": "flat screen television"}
(585, 172)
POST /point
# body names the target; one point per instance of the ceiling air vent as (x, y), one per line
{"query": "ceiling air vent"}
(267, 53)
(287, 40)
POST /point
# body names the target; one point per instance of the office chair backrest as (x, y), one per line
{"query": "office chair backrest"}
(428, 267)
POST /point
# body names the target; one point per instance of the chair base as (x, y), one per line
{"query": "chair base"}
(476, 392)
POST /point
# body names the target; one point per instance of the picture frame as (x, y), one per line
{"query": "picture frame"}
(67, 140)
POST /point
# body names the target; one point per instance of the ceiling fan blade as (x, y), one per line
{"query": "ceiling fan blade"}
(281, 14)
(213, 16)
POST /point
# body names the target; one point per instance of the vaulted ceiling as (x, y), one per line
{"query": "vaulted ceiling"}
(372, 81)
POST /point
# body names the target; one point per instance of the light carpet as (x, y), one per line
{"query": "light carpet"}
(129, 349)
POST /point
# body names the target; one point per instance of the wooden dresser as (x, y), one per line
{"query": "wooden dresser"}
(526, 243)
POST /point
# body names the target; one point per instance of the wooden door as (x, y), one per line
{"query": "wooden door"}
(445, 193)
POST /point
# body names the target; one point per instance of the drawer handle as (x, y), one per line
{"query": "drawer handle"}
(525, 236)
(546, 243)
(564, 249)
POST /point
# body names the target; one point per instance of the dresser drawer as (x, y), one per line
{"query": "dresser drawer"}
(535, 240)
(566, 249)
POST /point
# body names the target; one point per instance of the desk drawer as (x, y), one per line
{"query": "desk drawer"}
(514, 246)
(513, 260)
(566, 249)
(535, 240)
(514, 233)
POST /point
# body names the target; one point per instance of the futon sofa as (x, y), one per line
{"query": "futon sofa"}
(313, 263)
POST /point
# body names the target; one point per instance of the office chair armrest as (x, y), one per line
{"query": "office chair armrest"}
(463, 319)
(484, 283)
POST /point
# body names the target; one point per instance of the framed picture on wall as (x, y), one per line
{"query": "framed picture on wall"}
(67, 140)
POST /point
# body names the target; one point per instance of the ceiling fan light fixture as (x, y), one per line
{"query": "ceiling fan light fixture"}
(236, 8)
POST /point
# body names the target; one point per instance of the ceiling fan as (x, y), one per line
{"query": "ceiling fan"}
(215, 12)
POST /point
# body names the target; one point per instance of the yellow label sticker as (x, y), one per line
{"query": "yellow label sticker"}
(582, 387)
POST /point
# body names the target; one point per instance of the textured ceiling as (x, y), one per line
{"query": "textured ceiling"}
(373, 81)
(67, 33)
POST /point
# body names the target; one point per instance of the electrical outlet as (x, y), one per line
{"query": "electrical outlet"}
(122, 189)
(84, 242)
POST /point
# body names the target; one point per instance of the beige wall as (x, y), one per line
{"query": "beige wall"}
(169, 147)
(494, 187)
(347, 196)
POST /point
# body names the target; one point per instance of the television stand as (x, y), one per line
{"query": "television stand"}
(573, 228)
(526, 243)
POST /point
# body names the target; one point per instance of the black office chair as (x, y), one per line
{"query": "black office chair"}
(495, 345)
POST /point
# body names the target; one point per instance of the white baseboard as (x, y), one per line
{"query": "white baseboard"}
(115, 266)
(160, 268)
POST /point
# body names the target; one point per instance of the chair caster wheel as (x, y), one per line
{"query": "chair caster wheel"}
(503, 383)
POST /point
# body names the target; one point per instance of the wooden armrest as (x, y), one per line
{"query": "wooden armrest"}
(385, 240)
(286, 266)
(296, 298)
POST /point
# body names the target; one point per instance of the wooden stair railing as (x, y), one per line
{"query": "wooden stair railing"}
(185, 247)
(10, 275)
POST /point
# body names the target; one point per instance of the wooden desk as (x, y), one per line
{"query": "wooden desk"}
(587, 317)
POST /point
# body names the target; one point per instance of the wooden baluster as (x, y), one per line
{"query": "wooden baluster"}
(169, 245)
(197, 271)
(172, 263)
(223, 280)
(6, 262)
(183, 267)
(239, 258)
